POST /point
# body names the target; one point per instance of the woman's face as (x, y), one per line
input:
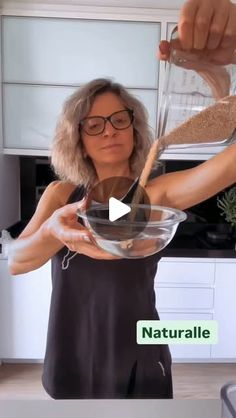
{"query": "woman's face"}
(112, 145)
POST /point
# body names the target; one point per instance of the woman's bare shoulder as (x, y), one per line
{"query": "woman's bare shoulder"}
(60, 190)
(54, 197)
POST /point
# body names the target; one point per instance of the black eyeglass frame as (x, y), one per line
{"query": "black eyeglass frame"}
(108, 118)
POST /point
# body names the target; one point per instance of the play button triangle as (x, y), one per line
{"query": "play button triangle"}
(117, 209)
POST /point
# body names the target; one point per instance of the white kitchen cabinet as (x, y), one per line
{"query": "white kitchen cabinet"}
(193, 351)
(35, 110)
(192, 272)
(184, 298)
(185, 291)
(75, 51)
(25, 299)
(225, 310)
(46, 59)
(199, 289)
(24, 309)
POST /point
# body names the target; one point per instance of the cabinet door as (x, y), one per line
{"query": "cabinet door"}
(225, 311)
(74, 51)
(185, 291)
(24, 309)
(185, 273)
(44, 58)
(184, 298)
(188, 351)
(35, 110)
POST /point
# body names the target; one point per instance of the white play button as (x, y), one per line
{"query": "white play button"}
(107, 219)
(117, 209)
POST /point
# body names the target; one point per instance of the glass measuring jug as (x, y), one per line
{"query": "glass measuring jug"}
(193, 83)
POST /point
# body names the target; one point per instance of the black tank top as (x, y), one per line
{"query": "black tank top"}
(91, 347)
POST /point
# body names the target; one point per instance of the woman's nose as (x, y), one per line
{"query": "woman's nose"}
(109, 129)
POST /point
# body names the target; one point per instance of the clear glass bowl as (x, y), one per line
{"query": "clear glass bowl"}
(151, 230)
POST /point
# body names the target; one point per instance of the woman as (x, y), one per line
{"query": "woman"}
(97, 298)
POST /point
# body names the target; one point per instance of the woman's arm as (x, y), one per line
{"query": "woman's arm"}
(187, 188)
(53, 226)
(36, 245)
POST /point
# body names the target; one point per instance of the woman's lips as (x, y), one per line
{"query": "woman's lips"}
(111, 146)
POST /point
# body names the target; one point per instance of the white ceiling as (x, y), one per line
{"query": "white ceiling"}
(157, 4)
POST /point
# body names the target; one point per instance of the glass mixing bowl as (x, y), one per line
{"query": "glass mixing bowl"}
(144, 231)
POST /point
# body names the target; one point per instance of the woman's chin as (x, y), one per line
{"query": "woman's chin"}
(113, 159)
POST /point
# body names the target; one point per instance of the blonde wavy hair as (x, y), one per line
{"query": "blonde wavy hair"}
(67, 149)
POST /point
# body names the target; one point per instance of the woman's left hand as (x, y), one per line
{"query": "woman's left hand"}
(206, 24)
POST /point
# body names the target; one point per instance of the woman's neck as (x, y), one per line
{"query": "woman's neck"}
(115, 170)
(116, 187)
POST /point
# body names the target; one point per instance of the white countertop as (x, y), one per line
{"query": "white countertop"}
(112, 409)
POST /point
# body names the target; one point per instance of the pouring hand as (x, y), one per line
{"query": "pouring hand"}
(208, 25)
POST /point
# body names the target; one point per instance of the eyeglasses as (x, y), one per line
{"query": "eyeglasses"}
(95, 125)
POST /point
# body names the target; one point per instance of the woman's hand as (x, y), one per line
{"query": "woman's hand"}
(206, 24)
(64, 226)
